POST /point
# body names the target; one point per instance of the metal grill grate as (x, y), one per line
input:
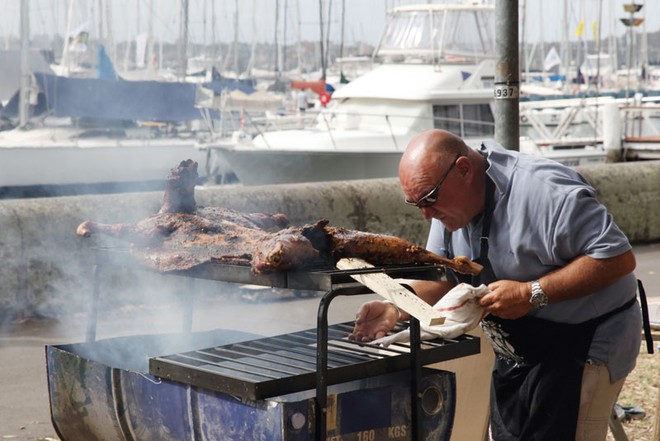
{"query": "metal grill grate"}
(285, 364)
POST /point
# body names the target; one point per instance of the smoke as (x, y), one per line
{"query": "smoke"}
(49, 274)
(204, 315)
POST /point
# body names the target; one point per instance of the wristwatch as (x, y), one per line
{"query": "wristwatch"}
(539, 298)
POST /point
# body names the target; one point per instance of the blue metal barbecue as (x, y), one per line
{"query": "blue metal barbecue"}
(227, 385)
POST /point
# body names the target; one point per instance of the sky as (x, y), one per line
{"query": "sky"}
(364, 19)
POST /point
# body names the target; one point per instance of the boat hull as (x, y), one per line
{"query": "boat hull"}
(77, 166)
(261, 167)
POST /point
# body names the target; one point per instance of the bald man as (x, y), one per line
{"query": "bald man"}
(563, 317)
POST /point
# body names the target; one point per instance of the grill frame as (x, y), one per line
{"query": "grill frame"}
(335, 283)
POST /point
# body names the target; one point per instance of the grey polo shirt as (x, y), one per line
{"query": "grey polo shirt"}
(545, 216)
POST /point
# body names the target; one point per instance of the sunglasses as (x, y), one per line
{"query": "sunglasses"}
(432, 196)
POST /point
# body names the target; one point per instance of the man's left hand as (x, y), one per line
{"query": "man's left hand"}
(507, 299)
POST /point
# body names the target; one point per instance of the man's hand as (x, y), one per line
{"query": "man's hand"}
(373, 320)
(507, 299)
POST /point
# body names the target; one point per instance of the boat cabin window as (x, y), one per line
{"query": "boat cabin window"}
(465, 120)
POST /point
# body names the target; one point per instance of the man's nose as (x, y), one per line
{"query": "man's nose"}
(428, 212)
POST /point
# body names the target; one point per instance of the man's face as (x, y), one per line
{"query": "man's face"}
(438, 192)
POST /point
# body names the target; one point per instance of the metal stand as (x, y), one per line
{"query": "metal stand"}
(335, 283)
(93, 306)
(321, 400)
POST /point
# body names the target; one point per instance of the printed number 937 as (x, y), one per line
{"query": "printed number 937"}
(506, 92)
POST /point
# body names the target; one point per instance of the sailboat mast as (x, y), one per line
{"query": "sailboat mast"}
(276, 62)
(343, 22)
(183, 41)
(253, 46)
(283, 45)
(150, 36)
(566, 48)
(109, 38)
(25, 66)
(298, 38)
(235, 48)
(214, 42)
(321, 40)
(64, 62)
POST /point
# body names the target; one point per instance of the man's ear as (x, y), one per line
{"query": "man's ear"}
(463, 166)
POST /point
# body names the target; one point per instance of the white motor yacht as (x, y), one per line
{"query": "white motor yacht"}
(435, 69)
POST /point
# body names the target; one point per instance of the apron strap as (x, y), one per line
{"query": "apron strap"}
(645, 317)
(488, 217)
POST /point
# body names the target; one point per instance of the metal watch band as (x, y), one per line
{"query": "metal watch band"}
(539, 298)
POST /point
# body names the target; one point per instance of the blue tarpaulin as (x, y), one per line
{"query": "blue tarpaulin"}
(118, 100)
(218, 84)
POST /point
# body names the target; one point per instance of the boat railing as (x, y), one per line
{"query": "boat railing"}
(633, 127)
(398, 127)
(640, 133)
(556, 125)
(640, 123)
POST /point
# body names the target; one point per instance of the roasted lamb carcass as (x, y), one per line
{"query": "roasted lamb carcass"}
(182, 235)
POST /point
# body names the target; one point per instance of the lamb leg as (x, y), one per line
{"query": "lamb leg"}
(390, 250)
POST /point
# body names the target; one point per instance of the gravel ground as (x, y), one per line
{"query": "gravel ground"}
(642, 389)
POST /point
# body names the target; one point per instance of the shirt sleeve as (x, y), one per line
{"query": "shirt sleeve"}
(584, 226)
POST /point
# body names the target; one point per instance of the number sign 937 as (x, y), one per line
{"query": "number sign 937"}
(504, 92)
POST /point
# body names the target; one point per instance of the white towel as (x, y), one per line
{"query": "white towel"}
(461, 311)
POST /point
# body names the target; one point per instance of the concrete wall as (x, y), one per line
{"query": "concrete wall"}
(47, 270)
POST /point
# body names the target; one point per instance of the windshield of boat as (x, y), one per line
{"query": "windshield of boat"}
(434, 34)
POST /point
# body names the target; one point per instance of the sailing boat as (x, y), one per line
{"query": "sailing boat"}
(96, 135)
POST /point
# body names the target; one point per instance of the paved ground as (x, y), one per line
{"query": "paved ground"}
(24, 404)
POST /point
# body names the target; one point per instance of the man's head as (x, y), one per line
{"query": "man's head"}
(443, 177)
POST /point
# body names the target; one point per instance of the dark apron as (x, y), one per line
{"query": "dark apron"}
(537, 376)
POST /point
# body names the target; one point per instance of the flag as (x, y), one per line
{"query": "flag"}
(552, 59)
(580, 29)
(594, 30)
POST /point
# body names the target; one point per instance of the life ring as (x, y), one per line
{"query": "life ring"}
(324, 97)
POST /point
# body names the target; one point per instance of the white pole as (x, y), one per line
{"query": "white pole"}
(612, 131)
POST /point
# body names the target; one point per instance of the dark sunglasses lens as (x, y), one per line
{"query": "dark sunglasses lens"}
(429, 199)
(428, 202)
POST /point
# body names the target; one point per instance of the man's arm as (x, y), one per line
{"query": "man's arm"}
(583, 276)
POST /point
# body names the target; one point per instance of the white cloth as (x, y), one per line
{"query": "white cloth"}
(461, 311)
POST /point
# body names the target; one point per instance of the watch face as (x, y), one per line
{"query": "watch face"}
(539, 300)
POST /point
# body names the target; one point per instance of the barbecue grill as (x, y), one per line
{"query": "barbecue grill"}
(315, 381)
